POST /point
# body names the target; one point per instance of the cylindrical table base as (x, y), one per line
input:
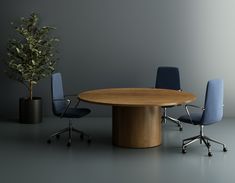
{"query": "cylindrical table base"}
(136, 127)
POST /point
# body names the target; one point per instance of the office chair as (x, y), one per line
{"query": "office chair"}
(211, 113)
(168, 78)
(61, 108)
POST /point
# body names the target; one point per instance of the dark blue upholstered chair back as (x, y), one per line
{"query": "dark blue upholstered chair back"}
(213, 102)
(168, 78)
(57, 92)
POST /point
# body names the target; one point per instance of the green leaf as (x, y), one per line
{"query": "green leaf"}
(31, 55)
(18, 50)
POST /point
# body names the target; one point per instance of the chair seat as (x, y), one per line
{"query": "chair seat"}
(196, 118)
(76, 112)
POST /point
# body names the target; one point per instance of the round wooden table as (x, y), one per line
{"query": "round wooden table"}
(136, 112)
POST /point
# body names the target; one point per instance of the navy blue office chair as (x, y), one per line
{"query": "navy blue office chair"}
(211, 113)
(168, 78)
(61, 108)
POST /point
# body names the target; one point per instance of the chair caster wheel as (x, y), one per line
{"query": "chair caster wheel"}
(49, 141)
(184, 151)
(209, 154)
(68, 144)
(57, 136)
(225, 149)
(81, 136)
(181, 129)
(89, 140)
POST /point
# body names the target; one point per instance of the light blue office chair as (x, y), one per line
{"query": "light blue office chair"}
(61, 108)
(211, 113)
(168, 78)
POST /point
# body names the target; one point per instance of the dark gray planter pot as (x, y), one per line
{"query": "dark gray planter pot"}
(30, 111)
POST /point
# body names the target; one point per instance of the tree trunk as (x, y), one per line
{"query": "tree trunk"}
(30, 90)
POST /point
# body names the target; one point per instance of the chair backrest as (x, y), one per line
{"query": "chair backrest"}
(168, 78)
(213, 102)
(57, 94)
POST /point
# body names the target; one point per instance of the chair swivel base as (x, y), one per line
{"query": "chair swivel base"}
(206, 140)
(165, 117)
(69, 129)
(176, 121)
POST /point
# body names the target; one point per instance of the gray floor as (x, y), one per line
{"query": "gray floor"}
(26, 157)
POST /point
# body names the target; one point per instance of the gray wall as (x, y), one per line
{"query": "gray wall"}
(120, 43)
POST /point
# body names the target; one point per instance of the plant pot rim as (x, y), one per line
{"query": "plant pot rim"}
(34, 98)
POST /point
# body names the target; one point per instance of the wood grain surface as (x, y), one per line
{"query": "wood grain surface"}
(136, 112)
(137, 127)
(136, 97)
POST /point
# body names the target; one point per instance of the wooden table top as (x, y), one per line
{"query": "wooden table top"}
(136, 97)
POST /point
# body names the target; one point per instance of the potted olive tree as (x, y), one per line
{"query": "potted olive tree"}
(30, 58)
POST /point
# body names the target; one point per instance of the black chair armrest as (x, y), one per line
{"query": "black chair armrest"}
(194, 106)
(73, 95)
(67, 106)
(70, 95)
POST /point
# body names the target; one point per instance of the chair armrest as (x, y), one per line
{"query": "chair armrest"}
(76, 105)
(73, 95)
(67, 106)
(194, 106)
(70, 95)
